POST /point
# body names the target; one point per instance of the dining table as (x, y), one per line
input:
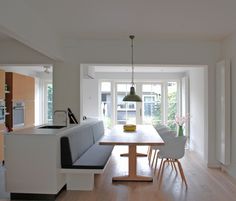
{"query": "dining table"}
(144, 135)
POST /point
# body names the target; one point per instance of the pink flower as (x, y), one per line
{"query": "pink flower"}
(181, 120)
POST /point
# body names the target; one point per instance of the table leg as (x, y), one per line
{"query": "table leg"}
(132, 175)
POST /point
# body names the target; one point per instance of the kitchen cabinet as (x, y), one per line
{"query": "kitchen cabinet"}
(2, 85)
(22, 90)
(21, 86)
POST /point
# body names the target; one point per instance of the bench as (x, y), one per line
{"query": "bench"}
(82, 156)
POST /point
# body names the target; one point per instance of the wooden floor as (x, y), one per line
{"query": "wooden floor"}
(203, 184)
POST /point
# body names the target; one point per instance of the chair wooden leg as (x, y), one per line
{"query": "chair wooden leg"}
(159, 171)
(182, 173)
(148, 151)
(155, 152)
(162, 172)
(173, 162)
(149, 154)
(155, 167)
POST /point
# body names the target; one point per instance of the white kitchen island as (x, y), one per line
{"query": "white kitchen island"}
(32, 159)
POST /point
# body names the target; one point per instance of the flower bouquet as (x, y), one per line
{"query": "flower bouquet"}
(179, 120)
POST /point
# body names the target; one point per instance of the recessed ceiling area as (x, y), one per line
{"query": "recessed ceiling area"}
(34, 70)
(106, 19)
(143, 69)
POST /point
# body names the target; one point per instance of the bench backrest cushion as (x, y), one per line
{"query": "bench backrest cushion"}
(75, 143)
(98, 130)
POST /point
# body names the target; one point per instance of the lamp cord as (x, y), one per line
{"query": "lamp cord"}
(132, 58)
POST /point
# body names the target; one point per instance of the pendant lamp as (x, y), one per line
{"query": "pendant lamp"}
(132, 97)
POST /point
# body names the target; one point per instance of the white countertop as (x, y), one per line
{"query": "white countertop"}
(45, 131)
(40, 131)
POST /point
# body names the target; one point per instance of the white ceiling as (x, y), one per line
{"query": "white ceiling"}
(25, 70)
(143, 69)
(116, 19)
(3, 37)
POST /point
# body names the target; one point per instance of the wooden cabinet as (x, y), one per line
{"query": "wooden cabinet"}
(2, 126)
(29, 113)
(22, 88)
(2, 84)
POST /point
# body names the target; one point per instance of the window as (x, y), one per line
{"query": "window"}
(106, 104)
(49, 102)
(152, 105)
(160, 103)
(125, 111)
(172, 104)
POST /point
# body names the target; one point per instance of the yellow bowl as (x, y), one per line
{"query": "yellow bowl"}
(129, 127)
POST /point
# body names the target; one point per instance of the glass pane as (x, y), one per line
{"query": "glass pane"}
(106, 104)
(126, 111)
(106, 86)
(172, 125)
(172, 100)
(49, 102)
(151, 103)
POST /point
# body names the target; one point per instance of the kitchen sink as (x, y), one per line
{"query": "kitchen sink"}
(52, 127)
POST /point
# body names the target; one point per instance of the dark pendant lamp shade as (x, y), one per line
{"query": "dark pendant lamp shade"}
(132, 97)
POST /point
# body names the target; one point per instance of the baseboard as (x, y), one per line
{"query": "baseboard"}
(35, 196)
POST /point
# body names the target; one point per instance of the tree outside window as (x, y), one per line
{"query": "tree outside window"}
(49, 102)
(172, 104)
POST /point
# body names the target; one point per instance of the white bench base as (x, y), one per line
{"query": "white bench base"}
(83, 182)
(80, 179)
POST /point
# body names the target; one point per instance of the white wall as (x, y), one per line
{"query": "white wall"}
(90, 98)
(66, 87)
(14, 52)
(197, 109)
(19, 21)
(229, 52)
(146, 52)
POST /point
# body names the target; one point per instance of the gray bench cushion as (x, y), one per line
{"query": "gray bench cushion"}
(98, 130)
(95, 158)
(80, 140)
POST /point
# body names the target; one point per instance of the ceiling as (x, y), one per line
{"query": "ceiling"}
(25, 70)
(3, 37)
(144, 69)
(115, 19)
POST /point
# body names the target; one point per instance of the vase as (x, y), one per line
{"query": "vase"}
(180, 131)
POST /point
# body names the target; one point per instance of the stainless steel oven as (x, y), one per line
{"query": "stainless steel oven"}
(2, 111)
(18, 114)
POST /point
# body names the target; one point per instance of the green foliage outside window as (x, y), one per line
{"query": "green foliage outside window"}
(172, 110)
(50, 101)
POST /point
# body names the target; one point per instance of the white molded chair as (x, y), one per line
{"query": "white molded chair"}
(159, 128)
(165, 135)
(172, 151)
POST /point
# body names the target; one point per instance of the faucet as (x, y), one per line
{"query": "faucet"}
(64, 111)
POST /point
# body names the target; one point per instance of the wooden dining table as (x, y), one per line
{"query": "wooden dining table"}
(145, 135)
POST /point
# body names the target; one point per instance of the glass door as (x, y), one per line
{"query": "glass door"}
(152, 103)
(125, 111)
(160, 103)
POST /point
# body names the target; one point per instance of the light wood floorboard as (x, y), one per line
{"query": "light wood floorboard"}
(204, 184)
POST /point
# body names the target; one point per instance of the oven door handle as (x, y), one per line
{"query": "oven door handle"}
(18, 108)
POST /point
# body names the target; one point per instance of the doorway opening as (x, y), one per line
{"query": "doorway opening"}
(36, 99)
(166, 91)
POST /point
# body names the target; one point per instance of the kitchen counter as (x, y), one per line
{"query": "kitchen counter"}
(41, 131)
(33, 161)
